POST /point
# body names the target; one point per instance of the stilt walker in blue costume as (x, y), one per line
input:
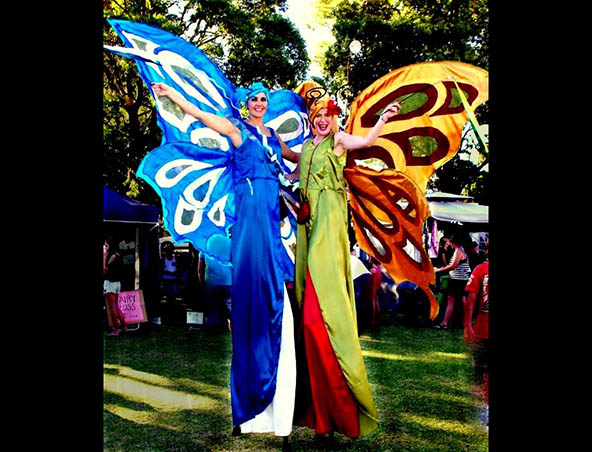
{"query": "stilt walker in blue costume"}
(217, 173)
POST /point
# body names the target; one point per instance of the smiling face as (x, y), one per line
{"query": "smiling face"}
(322, 122)
(257, 105)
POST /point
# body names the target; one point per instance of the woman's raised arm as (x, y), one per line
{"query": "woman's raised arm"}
(221, 125)
(344, 140)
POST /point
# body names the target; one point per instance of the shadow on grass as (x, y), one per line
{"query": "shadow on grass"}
(170, 384)
(121, 434)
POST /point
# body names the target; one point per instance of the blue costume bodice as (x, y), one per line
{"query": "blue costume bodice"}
(250, 159)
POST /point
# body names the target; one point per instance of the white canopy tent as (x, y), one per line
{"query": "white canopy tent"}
(455, 208)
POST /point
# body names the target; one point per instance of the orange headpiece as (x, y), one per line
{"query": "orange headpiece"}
(317, 98)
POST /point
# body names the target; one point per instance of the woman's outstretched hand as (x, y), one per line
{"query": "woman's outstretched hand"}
(390, 111)
(160, 89)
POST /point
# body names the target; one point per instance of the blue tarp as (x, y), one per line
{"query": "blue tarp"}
(117, 207)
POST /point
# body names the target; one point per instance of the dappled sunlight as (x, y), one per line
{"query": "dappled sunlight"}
(433, 357)
(463, 386)
(413, 442)
(460, 397)
(369, 339)
(451, 355)
(422, 391)
(159, 398)
(436, 423)
(204, 388)
(390, 356)
(465, 399)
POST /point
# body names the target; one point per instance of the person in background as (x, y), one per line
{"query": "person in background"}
(362, 279)
(216, 279)
(476, 257)
(388, 298)
(477, 334)
(413, 306)
(194, 295)
(445, 252)
(361, 276)
(376, 273)
(169, 272)
(112, 268)
(459, 272)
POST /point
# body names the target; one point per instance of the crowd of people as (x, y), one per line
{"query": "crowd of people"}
(381, 300)
(458, 256)
(200, 283)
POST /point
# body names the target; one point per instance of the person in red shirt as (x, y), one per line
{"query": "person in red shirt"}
(477, 287)
(478, 334)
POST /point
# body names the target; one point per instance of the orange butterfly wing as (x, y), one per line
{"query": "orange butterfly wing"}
(388, 210)
(389, 206)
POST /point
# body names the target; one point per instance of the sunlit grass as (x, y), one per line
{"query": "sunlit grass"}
(432, 358)
(220, 392)
(436, 423)
(451, 355)
(365, 338)
(167, 389)
(158, 397)
(390, 356)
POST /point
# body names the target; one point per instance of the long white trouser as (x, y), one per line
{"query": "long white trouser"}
(278, 416)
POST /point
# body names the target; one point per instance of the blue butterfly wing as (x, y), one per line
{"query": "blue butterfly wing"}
(191, 171)
(164, 57)
(197, 195)
(287, 114)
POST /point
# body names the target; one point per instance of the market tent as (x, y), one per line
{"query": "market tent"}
(441, 196)
(455, 208)
(135, 226)
(120, 208)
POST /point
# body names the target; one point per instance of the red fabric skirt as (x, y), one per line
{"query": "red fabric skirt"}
(325, 402)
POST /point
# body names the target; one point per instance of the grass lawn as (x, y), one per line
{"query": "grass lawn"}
(166, 388)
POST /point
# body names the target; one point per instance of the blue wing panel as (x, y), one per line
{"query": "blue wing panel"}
(196, 192)
(164, 57)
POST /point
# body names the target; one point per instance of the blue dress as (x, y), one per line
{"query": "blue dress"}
(260, 265)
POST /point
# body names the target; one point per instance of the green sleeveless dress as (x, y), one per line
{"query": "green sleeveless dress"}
(322, 251)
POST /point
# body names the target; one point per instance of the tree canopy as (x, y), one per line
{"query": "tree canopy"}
(397, 33)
